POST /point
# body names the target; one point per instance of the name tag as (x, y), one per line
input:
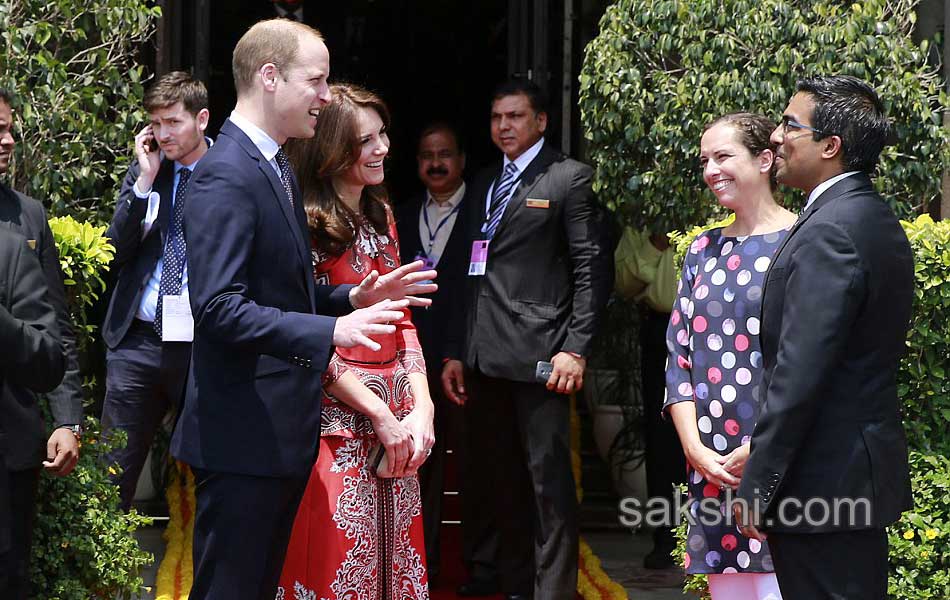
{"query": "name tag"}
(177, 323)
(479, 259)
(537, 203)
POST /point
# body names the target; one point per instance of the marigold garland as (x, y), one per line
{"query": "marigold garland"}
(592, 582)
(174, 578)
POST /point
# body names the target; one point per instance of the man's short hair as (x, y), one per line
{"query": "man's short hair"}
(174, 87)
(7, 96)
(447, 127)
(272, 41)
(520, 85)
(849, 108)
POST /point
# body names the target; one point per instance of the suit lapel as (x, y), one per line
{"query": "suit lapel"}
(163, 187)
(532, 175)
(297, 223)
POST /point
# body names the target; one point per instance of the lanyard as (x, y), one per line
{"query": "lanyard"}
(432, 234)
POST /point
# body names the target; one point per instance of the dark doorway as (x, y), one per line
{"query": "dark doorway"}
(427, 59)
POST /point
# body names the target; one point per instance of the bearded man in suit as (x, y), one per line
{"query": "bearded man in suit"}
(540, 271)
(836, 306)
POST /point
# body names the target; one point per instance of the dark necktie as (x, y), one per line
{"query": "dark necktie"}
(499, 199)
(286, 174)
(173, 255)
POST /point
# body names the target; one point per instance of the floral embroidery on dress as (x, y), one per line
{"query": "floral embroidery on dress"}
(348, 456)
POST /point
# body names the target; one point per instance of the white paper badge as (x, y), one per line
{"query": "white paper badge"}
(177, 323)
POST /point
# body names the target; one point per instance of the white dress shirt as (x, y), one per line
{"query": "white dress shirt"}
(435, 232)
(824, 185)
(264, 142)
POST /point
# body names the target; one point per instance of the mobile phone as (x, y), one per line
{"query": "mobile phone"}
(152, 144)
(543, 371)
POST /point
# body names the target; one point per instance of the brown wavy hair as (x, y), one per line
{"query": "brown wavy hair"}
(335, 148)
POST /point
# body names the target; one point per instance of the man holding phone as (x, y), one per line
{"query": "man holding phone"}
(539, 275)
(147, 329)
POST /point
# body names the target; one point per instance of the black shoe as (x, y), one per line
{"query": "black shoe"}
(659, 558)
(474, 588)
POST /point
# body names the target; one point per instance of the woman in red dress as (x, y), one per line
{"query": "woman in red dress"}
(358, 533)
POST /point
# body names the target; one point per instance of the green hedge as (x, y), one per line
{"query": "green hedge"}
(659, 70)
(920, 541)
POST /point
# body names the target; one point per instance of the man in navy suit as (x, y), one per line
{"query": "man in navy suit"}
(250, 423)
(836, 306)
(146, 366)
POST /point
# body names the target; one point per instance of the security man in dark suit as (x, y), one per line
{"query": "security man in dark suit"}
(26, 216)
(540, 270)
(836, 306)
(31, 362)
(147, 359)
(432, 227)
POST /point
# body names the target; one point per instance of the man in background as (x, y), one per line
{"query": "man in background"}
(540, 271)
(147, 356)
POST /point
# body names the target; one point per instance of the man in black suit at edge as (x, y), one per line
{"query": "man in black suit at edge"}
(147, 358)
(432, 227)
(31, 362)
(836, 306)
(540, 270)
(26, 216)
(22, 215)
(250, 421)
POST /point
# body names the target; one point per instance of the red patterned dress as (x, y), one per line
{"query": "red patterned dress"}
(356, 536)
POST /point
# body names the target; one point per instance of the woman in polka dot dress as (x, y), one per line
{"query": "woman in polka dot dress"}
(715, 361)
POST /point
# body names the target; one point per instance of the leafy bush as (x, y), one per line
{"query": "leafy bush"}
(923, 382)
(84, 253)
(73, 67)
(920, 542)
(661, 69)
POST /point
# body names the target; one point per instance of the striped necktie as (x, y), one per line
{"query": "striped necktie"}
(499, 199)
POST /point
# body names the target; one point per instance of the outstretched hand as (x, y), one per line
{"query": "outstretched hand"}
(357, 327)
(404, 282)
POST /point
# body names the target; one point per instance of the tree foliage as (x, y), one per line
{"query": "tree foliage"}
(79, 96)
(661, 69)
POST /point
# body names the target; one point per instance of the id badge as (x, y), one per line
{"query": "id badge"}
(429, 263)
(177, 322)
(479, 259)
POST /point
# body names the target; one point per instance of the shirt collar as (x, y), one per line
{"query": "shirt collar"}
(453, 200)
(820, 189)
(264, 142)
(526, 157)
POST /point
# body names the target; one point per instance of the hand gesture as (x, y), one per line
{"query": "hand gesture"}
(419, 423)
(357, 327)
(62, 451)
(735, 460)
(404, 282)
(453, 382)
(568, 373)
(709, 463)
(397, 440)
(148, 159)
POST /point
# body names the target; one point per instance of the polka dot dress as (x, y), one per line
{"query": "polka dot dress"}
(715, 360)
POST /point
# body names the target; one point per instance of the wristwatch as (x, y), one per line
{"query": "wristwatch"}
(76, 429)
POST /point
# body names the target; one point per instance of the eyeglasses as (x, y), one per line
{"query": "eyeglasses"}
(789, 123)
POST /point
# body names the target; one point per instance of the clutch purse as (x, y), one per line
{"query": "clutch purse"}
(377, 461)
